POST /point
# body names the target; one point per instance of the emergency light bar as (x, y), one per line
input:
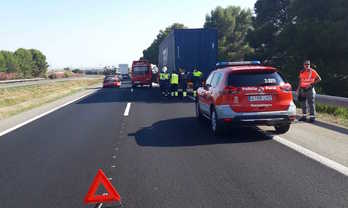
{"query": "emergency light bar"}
(237, 63)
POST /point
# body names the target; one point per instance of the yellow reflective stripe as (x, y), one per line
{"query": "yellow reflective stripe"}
(174, 79)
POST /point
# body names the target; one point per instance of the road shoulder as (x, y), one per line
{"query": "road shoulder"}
(321, 138)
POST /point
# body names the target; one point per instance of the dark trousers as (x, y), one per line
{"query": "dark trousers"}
(164, 85)
(308, 99)
(196, 84)
(174, 89)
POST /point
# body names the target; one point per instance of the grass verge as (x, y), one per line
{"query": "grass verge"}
(15, 100)
(331, 114)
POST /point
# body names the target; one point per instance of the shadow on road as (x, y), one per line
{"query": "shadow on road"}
(190, 132)
(145, 95)
(329, 126)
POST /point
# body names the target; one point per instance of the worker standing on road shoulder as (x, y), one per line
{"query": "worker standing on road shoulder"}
(174, 82)
(164, 81)
(306, 92)
(197, 80)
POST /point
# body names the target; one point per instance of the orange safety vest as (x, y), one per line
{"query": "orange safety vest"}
(308, 77)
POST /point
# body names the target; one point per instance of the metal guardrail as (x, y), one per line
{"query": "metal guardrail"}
(332, 100)
(20, 80)
(329, 100)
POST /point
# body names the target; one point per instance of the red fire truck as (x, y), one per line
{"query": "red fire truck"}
(141, 73)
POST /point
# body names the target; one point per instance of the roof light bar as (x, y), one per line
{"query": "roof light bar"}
(238, 63)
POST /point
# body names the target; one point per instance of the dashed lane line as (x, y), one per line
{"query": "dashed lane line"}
(126, 111)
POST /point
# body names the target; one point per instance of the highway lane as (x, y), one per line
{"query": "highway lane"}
(157, 156)
(169, 159)
(52, 161)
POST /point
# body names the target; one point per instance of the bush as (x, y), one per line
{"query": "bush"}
(331, 110)
(52, 76)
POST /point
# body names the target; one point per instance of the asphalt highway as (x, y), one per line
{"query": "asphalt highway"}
(158, 155)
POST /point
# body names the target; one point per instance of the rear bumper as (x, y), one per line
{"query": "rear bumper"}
(227, 115)
(141, 82)
(115, 84)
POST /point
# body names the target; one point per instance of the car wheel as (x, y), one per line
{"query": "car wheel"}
(198, 111)
(214, 124)
(282, 128)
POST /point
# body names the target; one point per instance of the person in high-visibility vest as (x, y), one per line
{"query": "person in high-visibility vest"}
(164, 81)
(197, 80)
(306, 92)
(174, 82)
(183, 82)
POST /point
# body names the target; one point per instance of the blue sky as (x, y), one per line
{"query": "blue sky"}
(89, 33)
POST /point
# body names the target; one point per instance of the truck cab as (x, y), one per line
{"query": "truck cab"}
(141, 73)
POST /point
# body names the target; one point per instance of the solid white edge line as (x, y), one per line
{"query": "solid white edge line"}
(126, 111)
(315, 156)
(43, 114)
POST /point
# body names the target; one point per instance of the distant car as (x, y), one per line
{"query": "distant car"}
(246, 93)
(111, 81)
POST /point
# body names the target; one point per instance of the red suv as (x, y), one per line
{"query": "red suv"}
(246, 93)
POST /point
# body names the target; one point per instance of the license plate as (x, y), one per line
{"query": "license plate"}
(260, 98)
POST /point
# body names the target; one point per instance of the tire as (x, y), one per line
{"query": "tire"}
(215, 126)
(198, 111)
(282, 128)
(150, 86)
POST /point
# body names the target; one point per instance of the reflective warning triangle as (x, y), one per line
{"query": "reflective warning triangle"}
(111, 196)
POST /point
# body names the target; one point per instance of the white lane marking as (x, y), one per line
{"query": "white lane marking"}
(315, 156)
(44, 114)
(126, 111)
(101, 204)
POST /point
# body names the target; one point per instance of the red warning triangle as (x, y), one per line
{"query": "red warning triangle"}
(111, 196)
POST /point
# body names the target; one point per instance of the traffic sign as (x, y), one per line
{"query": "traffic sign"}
(111, 196)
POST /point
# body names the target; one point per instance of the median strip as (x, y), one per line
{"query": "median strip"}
(15, 100)
(43, 114)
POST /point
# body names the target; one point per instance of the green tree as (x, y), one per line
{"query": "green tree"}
(271, 18)
(2, 63)
(151, 53)
(25, 62)
(232, 24)
(11, 63)
(39, 67)
(286, 32)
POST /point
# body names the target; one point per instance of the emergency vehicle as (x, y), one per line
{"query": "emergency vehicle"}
(141, 73)
(246, 93)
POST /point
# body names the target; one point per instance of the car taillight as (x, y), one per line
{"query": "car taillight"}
(286, 87)
(230, 90)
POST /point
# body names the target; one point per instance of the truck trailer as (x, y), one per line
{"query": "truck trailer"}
(188, 49)
(123, 69)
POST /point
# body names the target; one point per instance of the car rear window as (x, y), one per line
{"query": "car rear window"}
(254, 79)
(109, 79)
